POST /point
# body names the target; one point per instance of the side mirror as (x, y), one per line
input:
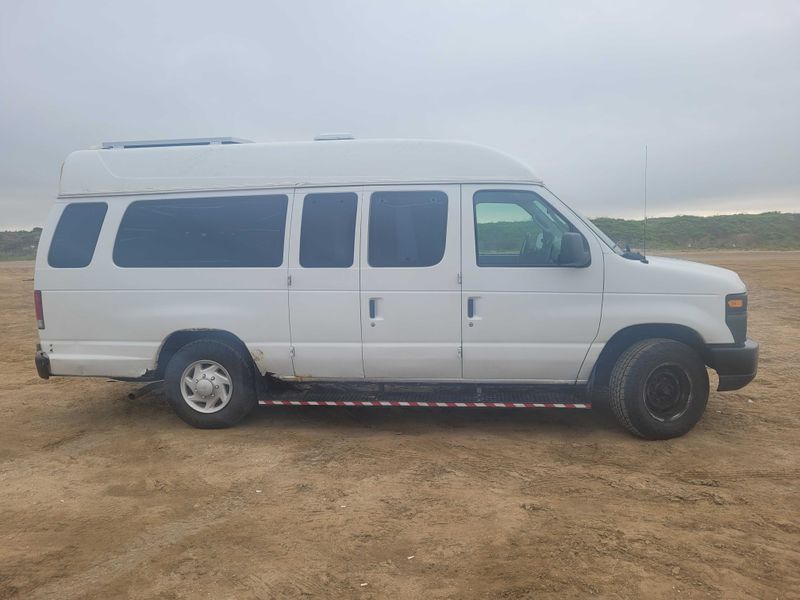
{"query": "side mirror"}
(574, 252)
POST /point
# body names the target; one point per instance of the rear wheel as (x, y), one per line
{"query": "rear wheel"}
(658, 389)
(210, 384)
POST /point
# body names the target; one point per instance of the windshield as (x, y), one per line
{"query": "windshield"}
(595, 229)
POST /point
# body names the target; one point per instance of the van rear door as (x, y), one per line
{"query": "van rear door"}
(410, 290)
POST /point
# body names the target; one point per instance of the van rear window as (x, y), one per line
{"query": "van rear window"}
(76, 234)
(241, 231)
(407, 229)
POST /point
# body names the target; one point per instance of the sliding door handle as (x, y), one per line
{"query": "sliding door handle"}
(373, 308)
(470, 307)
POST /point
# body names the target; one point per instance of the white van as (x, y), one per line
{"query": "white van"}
(234, 270)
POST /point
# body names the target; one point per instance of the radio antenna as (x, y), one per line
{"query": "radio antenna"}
(644, 224)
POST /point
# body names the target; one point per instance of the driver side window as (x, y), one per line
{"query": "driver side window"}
(516, 228)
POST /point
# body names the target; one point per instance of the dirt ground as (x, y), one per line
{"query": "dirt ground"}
(104, 497)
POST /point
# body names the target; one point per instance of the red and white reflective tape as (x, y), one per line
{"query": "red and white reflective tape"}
(422, 404)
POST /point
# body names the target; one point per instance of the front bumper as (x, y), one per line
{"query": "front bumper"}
(735, 365)
(42, 363)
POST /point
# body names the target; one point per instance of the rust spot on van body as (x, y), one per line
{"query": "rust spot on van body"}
(259, 359)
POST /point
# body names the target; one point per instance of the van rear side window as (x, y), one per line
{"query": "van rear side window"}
(407, 229)
(76, 235)
(328, 230)
(242, 231)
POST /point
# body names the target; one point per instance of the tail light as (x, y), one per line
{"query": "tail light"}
(37, 301)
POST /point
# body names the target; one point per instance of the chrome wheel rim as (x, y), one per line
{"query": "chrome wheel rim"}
(206, 386)
(667, 393)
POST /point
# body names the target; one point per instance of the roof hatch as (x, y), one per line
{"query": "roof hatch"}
(326, 137)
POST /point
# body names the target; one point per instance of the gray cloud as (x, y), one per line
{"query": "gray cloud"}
(712, 89)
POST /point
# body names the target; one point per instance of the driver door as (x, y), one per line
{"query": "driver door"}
(525, 317)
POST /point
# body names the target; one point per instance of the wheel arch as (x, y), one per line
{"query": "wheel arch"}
(626, 337)
(178, 339)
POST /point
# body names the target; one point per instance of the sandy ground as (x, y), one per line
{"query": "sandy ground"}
(102, 497)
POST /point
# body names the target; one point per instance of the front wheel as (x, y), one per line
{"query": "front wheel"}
(658, 389)
(210, 385)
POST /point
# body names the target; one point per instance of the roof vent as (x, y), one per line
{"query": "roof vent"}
(176, 142)
(325, 137)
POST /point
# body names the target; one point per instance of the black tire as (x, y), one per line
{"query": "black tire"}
(242, 395)
(658, 389)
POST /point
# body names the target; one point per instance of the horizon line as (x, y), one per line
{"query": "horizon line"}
(649, 218)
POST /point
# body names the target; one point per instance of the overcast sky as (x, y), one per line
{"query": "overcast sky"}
(575, 91)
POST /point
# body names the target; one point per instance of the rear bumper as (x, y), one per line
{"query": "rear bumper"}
(42, 363)
(736, 365)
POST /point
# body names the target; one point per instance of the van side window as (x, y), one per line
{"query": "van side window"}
(328, 230)
(407, 229)
(516, 228)
(241, 231)
(76, 235)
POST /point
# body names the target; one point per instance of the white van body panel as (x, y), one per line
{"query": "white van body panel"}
(111, 321)
(667, 290)
(416, 332)
(324, 305)
(291, 164)
(663, 291)
(670, 276)
(530, 325)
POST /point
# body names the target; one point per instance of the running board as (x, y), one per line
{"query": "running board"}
(480, 397)
(426, 404)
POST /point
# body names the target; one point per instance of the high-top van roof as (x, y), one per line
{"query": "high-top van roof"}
(232, 165)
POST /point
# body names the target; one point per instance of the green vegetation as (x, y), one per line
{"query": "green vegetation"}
(504, 236)
(767, 231)
(19, 245)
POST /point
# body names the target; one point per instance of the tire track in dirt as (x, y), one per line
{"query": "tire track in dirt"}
(141, 549)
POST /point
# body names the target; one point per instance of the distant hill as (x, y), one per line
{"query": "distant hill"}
(766, 231)
(19, 245)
